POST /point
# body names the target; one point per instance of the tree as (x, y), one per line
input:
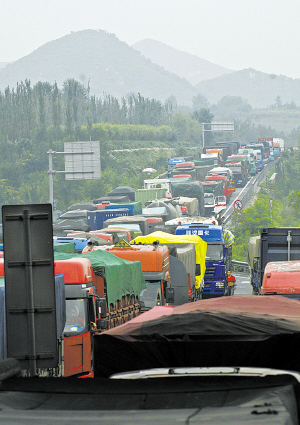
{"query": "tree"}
(199, 102)
(203, 115)
(278, 102)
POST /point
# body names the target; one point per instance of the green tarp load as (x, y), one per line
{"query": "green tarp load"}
(190, 190)
(68, 247)
(122, 277)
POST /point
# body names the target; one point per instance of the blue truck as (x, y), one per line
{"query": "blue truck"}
(218, 257)
(172, 164)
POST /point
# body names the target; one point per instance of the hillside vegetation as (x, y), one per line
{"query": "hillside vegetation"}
(285, 193)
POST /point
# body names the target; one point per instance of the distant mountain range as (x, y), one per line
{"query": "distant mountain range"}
(190, 67)
(149, 67)
(95, 56)
(258, 88)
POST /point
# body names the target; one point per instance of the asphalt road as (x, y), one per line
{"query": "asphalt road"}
(243, 286)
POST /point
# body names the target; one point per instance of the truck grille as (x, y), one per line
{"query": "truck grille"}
(210, 272)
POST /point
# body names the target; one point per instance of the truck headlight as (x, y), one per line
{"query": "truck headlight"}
(219, 285)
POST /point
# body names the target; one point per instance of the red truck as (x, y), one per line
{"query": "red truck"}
(228, 187)
(282, 278)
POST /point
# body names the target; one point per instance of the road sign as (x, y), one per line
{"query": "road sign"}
(238, 216)
(82, 160)
(238, 205)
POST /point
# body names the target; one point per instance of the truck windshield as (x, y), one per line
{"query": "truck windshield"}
(151, 296)
(214, 252)
(236, 169)
(75, 316)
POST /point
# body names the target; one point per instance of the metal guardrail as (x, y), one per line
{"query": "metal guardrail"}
(249, 190)
(240, 266)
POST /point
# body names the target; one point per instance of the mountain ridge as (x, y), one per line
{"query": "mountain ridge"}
(191, 67)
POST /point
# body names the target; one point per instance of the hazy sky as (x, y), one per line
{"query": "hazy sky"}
(237, 34)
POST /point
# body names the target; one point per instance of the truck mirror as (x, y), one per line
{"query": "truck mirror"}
(198, 269)
(101, 307)
(102, 324)
(169, 295)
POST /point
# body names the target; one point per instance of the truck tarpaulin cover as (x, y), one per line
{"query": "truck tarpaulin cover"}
(122, 277)
(188, 189)
(242, 330)
(200, 247)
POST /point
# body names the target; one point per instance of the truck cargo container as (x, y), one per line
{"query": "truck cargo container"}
(273, 244)
(96, 219)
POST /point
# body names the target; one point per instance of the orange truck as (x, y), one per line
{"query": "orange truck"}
(97, 298)
(97, 289)
(155, 263)
(282, 278)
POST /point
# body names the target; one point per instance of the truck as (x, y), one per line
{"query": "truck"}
(184, 168)
(218, 256)
(100, 293)
(271, 245)
(218, 174)
(155, 264)
(251, 158)
(190, 250)
(223, 151)
(104, 292)
(215, 156)
(239, 172)
(172, 163)
(282, 278)
(212, 190)
(96, 219)
(190, 190)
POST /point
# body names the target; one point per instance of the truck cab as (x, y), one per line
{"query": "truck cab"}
(81, 299)
(216, 257)
(282, 278)
(155, 263)
(225, 174)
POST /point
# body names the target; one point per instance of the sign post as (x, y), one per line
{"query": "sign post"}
(82, 161)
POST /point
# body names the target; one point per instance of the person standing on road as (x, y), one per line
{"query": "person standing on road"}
(230, 283)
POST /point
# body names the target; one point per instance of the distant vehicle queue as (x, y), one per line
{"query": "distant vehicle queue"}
(134, 249)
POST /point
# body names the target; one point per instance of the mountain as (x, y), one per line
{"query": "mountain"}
(95, 56)
(258, 88)
(190, 67)
(3, 64)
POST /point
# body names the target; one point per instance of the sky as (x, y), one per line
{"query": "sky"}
(236, 34)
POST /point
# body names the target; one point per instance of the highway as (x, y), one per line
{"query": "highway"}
(243, 286)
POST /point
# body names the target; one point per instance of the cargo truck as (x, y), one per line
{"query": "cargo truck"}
(172, 164)
(155, 264)
(103, 293)
(228, 185)
(218, 256)
(190, 190)
(188, 268)
(282, 278)
(272, 244)
(239, 172)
